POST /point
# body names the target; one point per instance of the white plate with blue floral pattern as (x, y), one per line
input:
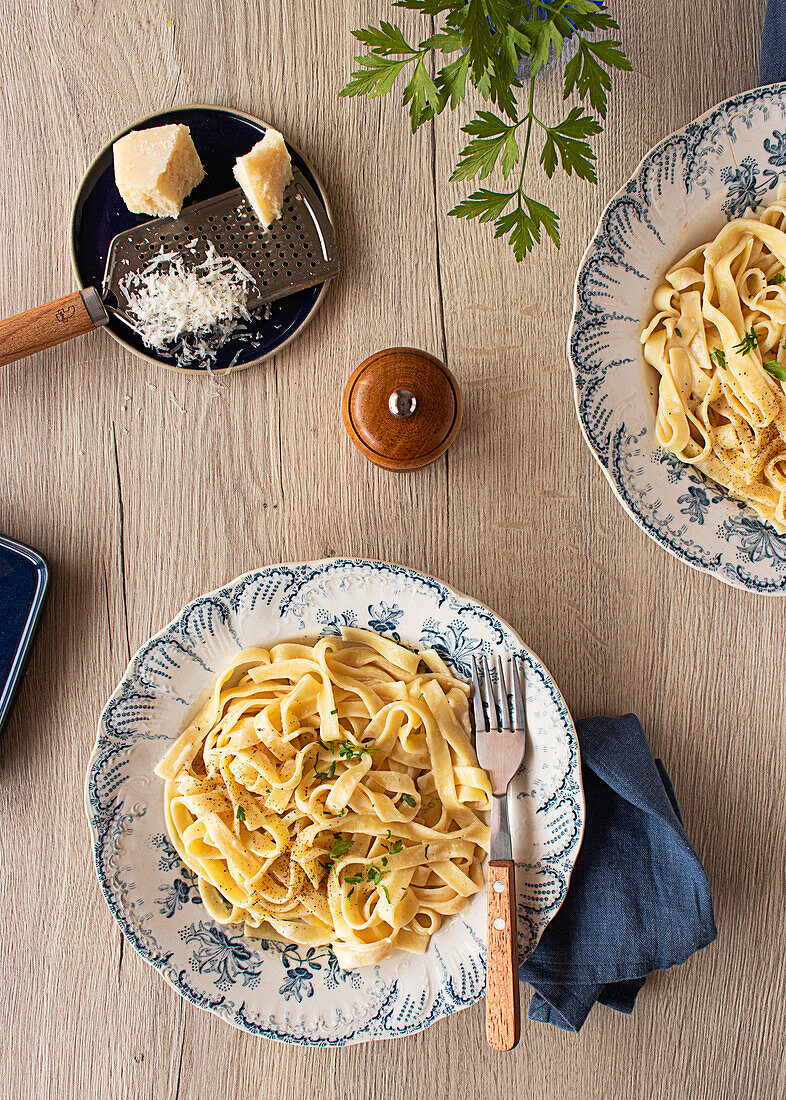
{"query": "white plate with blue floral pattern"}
(682, 193)
(287, 992)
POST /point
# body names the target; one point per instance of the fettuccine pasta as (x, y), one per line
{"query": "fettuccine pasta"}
(330, 794)
(716, 340)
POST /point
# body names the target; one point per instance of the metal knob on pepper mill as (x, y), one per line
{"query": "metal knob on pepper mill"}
(402, 408)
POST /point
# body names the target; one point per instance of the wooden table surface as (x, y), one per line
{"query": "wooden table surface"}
(144, 488)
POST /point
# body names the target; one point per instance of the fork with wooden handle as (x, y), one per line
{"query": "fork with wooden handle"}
(500, 741)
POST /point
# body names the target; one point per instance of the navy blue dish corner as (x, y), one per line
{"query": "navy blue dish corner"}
(220, 136)
(24, 578)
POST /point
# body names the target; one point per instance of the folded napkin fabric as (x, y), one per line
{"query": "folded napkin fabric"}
(638, 898)
(773, 44)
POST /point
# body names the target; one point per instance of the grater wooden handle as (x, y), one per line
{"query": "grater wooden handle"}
(53, 323)
(503, 1023)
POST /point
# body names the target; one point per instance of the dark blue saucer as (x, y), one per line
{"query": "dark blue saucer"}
(220, 136)
(23, 582)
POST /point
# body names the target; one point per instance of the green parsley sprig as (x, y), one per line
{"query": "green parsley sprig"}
(718, 356)
(487, 45)
(374, 874)
(774, 368)
(340, 849)
(327, 774)
(749, 341)
(349, 751)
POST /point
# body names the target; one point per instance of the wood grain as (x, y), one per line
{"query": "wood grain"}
(43, 327)
(144, 488)
(503, 1022)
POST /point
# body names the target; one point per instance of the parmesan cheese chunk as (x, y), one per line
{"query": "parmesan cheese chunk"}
(263, 174)
(155, 169)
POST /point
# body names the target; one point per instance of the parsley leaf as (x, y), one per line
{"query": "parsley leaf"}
(749, 341)
(485, 206)
(373, 874)
(776, 280)
(328, 774)
(452, 81)
(423, 96)
(354, 879)
(586, 71)
(718, 357)
(349, 751)
(774, 368)
(340, 849)
(678, 332)
(491, 137)
(425, 854)
(385, 891)
(240, 814)
(568, 139)
(376, 76)
(410, 801)
(523, 226)
(384, 39)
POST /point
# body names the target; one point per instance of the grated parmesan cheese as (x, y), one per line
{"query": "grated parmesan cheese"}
(188, 313)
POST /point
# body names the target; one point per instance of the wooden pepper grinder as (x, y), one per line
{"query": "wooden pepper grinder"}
(402, 408)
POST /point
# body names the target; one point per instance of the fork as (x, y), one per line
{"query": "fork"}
(500, 739)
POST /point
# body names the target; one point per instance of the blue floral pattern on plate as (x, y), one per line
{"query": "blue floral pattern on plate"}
(730, 160)
(285, 991)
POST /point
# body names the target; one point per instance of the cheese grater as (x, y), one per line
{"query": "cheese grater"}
(296, 252)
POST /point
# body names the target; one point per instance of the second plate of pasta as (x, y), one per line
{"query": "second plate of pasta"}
(308, 861)
(689, 423)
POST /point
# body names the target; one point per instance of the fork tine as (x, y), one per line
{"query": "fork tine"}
(477, 700)
(519, 709)
(504, 702)
(491, 698)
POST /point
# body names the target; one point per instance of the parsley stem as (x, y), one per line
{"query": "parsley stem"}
(555, 9)
(530, 119)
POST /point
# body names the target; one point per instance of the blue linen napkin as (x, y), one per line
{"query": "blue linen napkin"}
(638, 899)
(773, 44)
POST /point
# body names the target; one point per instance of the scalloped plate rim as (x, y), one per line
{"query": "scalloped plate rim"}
(593, 242)
(447, 1010)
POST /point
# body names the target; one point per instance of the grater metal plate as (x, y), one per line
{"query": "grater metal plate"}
(297, 251)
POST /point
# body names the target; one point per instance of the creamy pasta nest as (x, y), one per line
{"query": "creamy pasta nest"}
(330, 794)
(717, 342)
